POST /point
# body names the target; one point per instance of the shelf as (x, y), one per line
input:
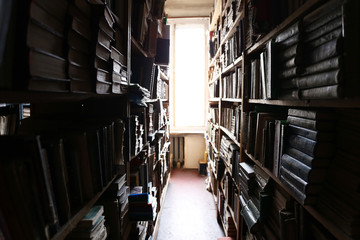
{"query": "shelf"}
(217, 54)
(230, 135)
(232, 66)
(214, 100)
(46, 97)
(331, 103)
(235, 100)
(306, 7)
(331, 227)
(70, 225)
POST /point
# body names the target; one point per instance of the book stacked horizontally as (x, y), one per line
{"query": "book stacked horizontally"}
(79, 45)
(310, 141)
(91, 226)
(323, 76)
(142, 207)
(46, 38)
(288, 55)
(103, 38)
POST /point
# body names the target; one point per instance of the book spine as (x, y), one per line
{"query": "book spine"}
(289, 52)
(328, 50)
(295, 166)
(316, 42)
(325, 92)
(303, 198)
(313, 22)
(320, 79)
(289, 32)
(289, 42)
(302, 122)
(288, 73)
(326, 65)
(291, 94)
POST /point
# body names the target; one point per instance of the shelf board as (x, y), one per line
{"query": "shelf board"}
(331, 227)
(331, 103)
(235, 100)
(214, 100)
(306, 7)
(230, 135)
(46, 97)
(217, 54)
(71, 224)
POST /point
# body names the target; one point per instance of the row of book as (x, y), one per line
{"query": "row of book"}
(229, 16)
(308, 60)
(230, 154)
(231, 84)
(214, 90)
(67, 47)
(230, 119)
(214, 113)
(232, 48)
(225, 216)
(55, 173)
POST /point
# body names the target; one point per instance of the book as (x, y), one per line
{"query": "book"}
(325, 92)
(311, 134)
(317, 125)
(299, 183)
(278, 145)
(311, 147)
(308, 174)
(327, 50)
(301, 197)
(92, 217)
(289, 32)
(55, 65)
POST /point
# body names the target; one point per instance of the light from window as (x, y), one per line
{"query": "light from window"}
(189, 75)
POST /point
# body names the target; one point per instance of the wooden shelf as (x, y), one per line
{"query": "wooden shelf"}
(216, 14)
(163, 77)
(216, 78)
(71, 224)
(330, 103)
(230, 135)
(214, 100)
(47, 97)
(232, 28)
(234, 100)
(305, 8)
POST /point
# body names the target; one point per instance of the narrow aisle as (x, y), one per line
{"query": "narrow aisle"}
(189, 211)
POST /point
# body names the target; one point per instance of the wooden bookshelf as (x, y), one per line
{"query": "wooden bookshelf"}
(349, 104)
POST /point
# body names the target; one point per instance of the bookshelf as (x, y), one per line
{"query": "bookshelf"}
(68, 64)
(254, 148)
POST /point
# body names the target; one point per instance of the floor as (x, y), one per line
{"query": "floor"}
(189, 211)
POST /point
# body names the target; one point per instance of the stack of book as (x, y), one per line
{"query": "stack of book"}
(103, 38)
(119, 71)
(229, 119)
(323, 76)
(46, 38)
(229, 151)
(288, 56)
(310, 141)
(142, 207)
(91, 226)
(79, 46)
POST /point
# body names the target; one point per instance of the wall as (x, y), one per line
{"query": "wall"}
(194, 150)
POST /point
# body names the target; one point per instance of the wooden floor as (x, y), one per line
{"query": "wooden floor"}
(189, 211)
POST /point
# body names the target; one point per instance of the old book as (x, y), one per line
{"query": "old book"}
(327, 50)
(44, 40)
(255, 78)
(306, 173)
(92, 216)
(271, 80)
(104, 39)
(299, 183)
(311, 134)
(289, 94)
(80, 28)
(48, 85)
(78, 42)
(102, 51)
(311, 114)
(287, 73)
(317, 125)
(79, 73)
(55, 66)
(325, 92)
(314, 40)
(290, 52)
(287, 224)
(301, 197)
(313, 148)
(103, 87)
(263, 67)
(81, 86)
(320, 79)
(326, 65)
(289, 32)
(289, 42)
(278, 148)
(78, 58)
(56, 8)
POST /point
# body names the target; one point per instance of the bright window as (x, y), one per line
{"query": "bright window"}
(189, 65)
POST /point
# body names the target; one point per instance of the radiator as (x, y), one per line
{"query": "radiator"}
(177, 149)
